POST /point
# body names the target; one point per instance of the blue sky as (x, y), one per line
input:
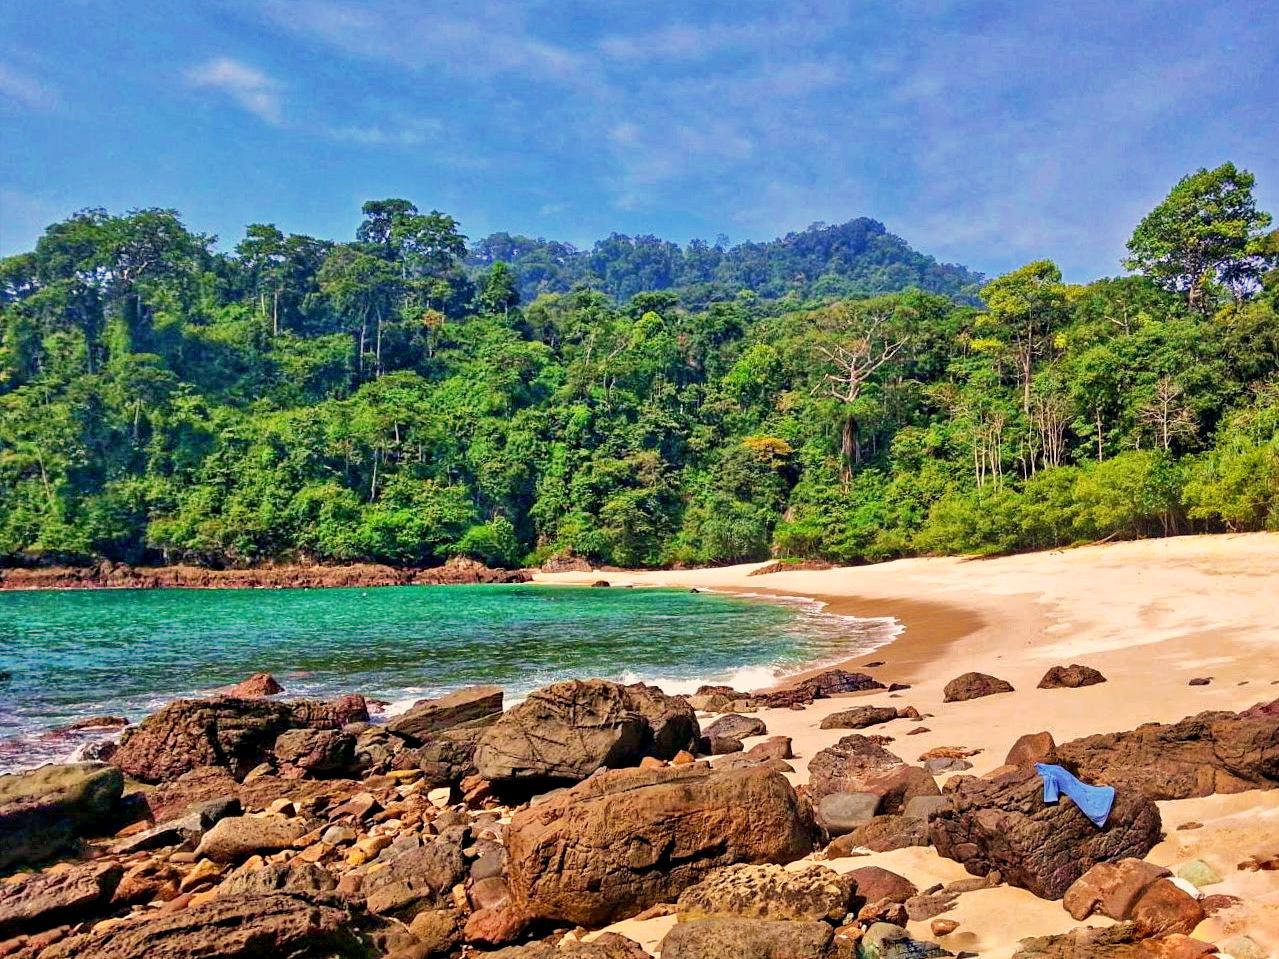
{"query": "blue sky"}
(987, 133)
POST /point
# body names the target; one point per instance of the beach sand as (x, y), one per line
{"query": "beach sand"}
(1151, 615)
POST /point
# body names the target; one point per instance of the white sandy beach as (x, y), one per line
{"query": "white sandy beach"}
(1150, 615)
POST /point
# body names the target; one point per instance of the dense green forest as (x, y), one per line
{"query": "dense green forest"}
(833, 394)
(858, 258)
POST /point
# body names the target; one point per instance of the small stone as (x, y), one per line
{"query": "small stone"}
(1199, 874)
(1191, 825)
(339, 836)
(943, 927)
(683, 758)
(439, 798)
(205, 871)
(1200, 681)
(651, 762)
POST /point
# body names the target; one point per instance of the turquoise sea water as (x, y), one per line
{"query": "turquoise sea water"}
(69, 655)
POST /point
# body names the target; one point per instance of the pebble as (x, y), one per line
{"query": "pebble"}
(439, 798)
(1199, 873)
(943, 927)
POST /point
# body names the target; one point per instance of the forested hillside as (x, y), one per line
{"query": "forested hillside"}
(391, 399)
(858, 258)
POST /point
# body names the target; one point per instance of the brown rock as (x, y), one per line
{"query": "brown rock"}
(496, 926)
(1005, 825)
(974, 686)
(859, 717)
(259, 684)
(734, 726)
(228, 927)
(768, 892)
(775, 747)
(857, 764)
(238, 837)
(1032, 748)
(943, 927)
(470, 707)
(41, 900)
(1208, 753)
(45, 811)
(1165, 908)
(885, 833)
(588, 855)
(748, 939)
(1071, 677)
(875, 883)
(672, 722)
(1111, 888)
(318, 752)
(561, 734)
(1122, 941)
(234, 734)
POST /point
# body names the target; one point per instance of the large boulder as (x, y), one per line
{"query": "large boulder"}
(748, 939)
(884, 940)
(625, 840)
(606, 946)
(1212, 752)
(44, 812)
(1005, 825)
(769, 891)
(42, 900)
(246, 926)
(232, 733)
(831, 682)
(470, 707)
(974, 686)
(563, 733)
(858, 764)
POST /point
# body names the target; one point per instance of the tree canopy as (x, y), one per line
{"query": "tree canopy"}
(402, 399)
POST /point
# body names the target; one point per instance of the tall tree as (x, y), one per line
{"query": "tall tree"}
(1207, 230)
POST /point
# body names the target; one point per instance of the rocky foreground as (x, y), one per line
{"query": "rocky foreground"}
(244, 826)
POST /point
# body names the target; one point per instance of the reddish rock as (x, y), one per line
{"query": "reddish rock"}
(232, 733)
(775, 747)
(496, 926)
(875, 884)
(1111, 888)
(259, 684)
(1032, 748)
(1165, 908)
(974, 686)
(39, 901)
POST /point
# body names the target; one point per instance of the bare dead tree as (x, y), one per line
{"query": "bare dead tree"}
(869, 349)
(1168, 415)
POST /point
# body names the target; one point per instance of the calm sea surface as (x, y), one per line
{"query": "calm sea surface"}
(65, 656)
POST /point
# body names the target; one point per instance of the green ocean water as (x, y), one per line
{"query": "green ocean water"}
(69, 655)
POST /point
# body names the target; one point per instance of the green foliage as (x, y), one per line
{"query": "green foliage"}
(392, 400)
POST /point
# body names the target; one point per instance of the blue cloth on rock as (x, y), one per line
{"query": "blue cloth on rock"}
(1093, 801)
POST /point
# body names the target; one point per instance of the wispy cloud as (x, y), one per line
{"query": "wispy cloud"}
(248, 87)
(27, 91)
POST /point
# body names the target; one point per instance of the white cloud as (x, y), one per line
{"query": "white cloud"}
(247, 86)
(26, 90)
